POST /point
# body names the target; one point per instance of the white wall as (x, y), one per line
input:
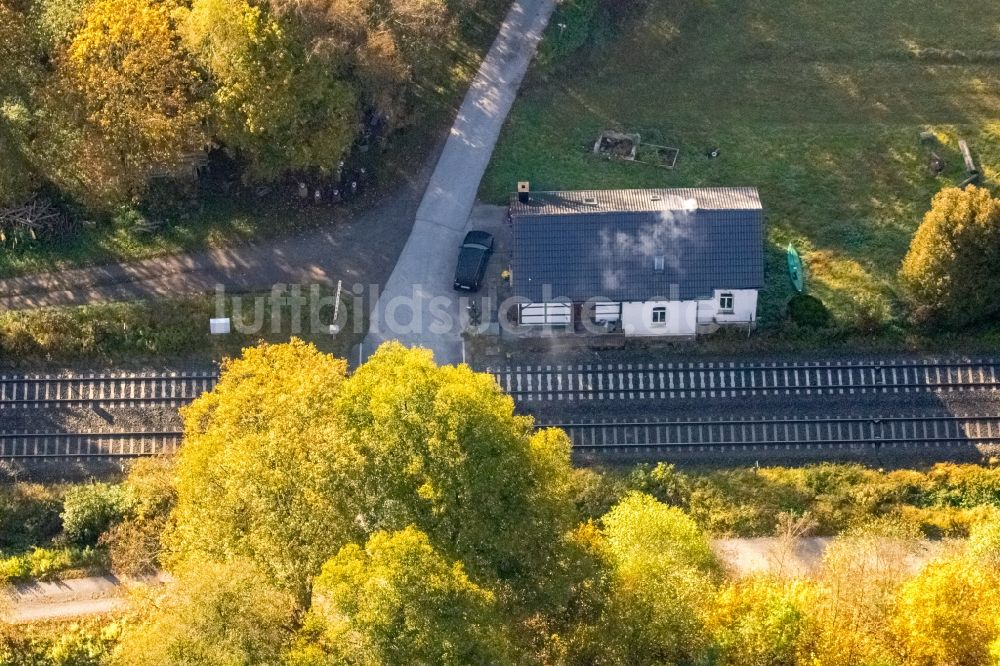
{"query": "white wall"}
(744, 307)
(682, 318)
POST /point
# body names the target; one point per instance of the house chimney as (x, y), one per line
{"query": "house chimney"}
(524, 192)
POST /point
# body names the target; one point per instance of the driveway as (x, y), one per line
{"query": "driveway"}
(417, 305)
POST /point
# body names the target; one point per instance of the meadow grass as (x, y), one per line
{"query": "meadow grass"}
(819, 105)
(177, 329)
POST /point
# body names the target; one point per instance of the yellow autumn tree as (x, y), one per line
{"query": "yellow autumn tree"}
(135, 92)
(949, 614)
(262, 473)
(399, 601)
(444, 451)
(662, 579)
(213, 614)
(950, 270)
(849, 606)
(757, 621)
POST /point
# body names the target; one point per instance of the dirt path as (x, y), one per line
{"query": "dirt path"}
(63, 600)
(362, 251)
(37, 602)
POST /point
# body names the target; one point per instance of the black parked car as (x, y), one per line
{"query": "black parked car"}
(472, 259)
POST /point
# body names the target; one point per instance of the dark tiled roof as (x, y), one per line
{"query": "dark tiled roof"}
(605, 243)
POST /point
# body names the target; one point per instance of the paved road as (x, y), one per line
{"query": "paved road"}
(363, 250)
(418, 305)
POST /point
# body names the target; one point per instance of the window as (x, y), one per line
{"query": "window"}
(659, 316)
(658, 262)
(726, 302)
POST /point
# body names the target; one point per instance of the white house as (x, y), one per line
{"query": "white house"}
(664, 262)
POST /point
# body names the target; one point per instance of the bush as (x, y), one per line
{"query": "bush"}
(87, 643)
(29, 514)
(47, 563)
(135, 543)
(869, 313)
(663, 482)
(90, 509)
(808, 311)
(580, 23)
(951, 267)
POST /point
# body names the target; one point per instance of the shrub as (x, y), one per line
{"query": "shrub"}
(594, 493)
(47, 563)
(950, 269)
(134, 544)
(87, 643)
(808, 311)
(29, 514)
(869, 313)
(90, 509)
(579, 23)
(663, 482)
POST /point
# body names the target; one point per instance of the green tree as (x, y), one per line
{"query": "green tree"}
(58, 20)
(214, 614)
(90, 509)
(262, 473)
(19, 75)
(275, 104)
(398, 601)
(397, 51)
(444, 451)
(950, 270)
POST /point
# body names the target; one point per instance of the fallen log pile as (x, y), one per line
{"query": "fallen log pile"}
(34, 219)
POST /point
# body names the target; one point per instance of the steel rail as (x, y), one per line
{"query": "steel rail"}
(626, 434)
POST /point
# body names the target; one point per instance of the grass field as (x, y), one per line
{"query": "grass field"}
(818, 104)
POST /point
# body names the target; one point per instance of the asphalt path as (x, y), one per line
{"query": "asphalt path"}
(417, 305)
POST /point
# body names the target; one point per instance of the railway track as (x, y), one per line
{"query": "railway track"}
(80, 445)
(668, 381)
(654, 381)
(109, 390)
(943, 430)
(611, 437)
(636, 382)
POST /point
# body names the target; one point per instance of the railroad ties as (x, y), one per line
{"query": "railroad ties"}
(540, 387)
(678, 381)
(100, 392)
(108, 390)
(806, 436)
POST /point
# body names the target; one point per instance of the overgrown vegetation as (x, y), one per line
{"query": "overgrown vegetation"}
(951, 267)
(820, 106)
(178, 328)
(295, 536)
(32, 542)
